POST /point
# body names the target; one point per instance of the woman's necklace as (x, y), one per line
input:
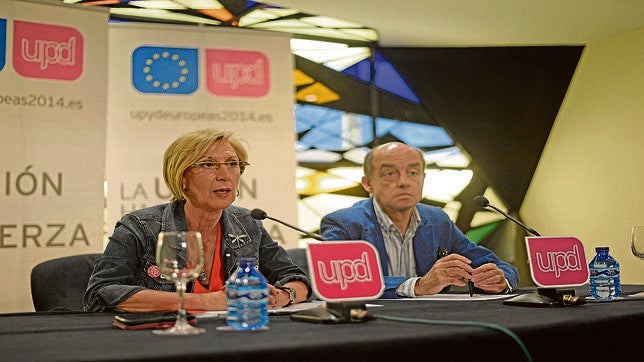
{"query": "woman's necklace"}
(203, 276)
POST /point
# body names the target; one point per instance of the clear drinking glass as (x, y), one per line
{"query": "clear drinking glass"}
(637, 241)
(180, 258)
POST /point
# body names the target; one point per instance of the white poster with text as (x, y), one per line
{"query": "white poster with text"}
(53, 91)
(166, 80)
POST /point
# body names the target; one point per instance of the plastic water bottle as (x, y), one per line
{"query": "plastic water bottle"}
(247, 297)
(604, 275)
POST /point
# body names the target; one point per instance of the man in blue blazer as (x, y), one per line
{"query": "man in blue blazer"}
(422, 252)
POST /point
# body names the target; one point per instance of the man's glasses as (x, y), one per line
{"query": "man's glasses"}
(213, 166)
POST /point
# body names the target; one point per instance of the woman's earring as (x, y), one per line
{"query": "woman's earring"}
(237, 193)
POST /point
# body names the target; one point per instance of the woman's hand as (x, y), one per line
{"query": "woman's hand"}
(279, 298)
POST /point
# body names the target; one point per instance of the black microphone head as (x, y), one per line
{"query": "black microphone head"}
(481, 201)
(258, 214)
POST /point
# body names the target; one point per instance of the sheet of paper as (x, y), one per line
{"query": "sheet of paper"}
(296, 307)
(209, 314)
(460, 297)
(278, 311)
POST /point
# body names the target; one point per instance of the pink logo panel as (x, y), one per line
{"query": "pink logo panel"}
(236, 73)
(345, 270)
(557, 261)
(47, 51)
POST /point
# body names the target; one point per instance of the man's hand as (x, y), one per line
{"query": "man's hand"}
(452, 269)
(489, 278)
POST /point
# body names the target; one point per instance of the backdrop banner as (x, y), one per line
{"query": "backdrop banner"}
(166, 80)
(53, 66)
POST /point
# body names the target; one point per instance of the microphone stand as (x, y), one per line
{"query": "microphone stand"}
(309, 234)
(544, 297)
(334, 313)
(515, 220)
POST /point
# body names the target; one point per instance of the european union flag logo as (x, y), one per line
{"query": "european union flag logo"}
(164, 70)
(3, 42)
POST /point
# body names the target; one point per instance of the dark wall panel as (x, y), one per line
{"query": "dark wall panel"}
(498, 103)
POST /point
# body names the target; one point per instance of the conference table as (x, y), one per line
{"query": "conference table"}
(401, 329)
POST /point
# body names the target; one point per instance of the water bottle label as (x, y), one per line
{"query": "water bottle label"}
(253, 294)
(605, 272)
(604, 282)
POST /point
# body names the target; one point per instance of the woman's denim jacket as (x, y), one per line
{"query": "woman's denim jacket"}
(125, 267)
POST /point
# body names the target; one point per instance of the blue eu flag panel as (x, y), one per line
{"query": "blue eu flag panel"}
(3, 41)
(165, 70)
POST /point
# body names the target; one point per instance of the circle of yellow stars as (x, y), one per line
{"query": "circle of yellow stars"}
(165, 85)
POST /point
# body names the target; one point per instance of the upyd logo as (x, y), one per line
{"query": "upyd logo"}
(47, 51)
(233, 73)
(557, 261)
(345, 270)
(237, 73)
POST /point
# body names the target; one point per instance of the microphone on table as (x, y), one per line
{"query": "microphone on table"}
(483, 202)
(259, 214)
(544, 297)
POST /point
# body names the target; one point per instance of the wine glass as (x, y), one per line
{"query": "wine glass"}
(180, 258)
(637, 241)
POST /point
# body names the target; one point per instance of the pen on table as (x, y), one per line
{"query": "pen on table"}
(443, 252)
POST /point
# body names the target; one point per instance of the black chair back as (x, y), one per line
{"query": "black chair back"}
(298, 255)
(59, 284)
